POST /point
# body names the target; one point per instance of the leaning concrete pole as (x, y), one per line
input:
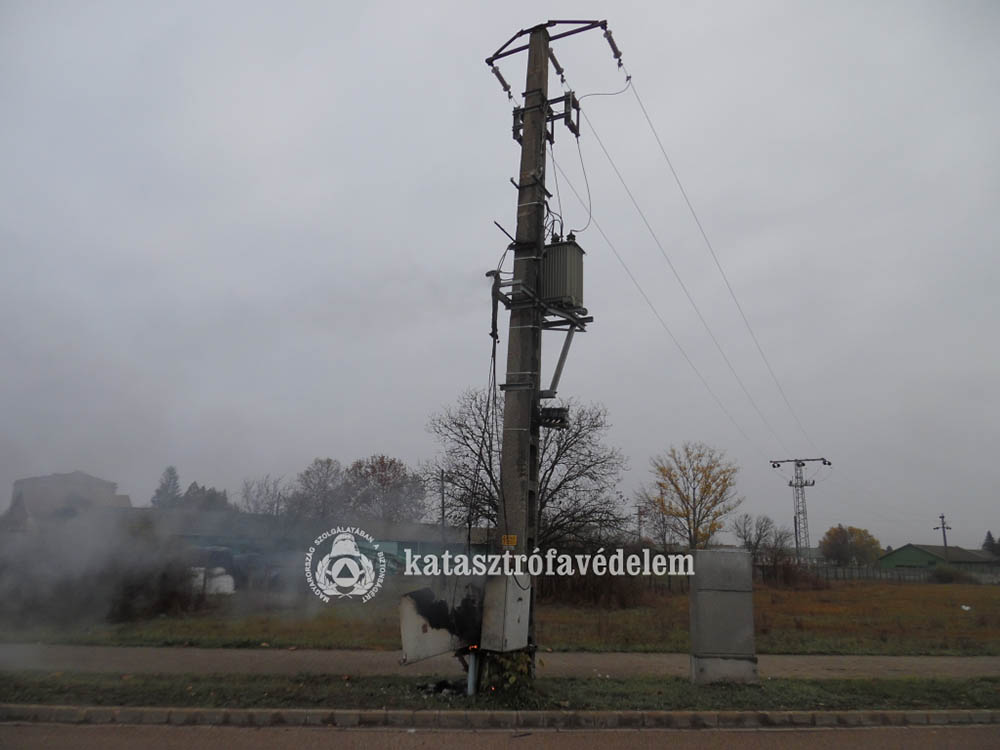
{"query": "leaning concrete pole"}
(508, 604)
(519, 453)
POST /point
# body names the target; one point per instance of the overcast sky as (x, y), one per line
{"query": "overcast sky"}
(238, 236)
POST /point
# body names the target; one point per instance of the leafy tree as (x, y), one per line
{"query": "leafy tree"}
(384, 488)
(578, 471)
(989, 544)
(835, 545)
(850, 545)
(865, 548)
(197, 497)
(319, 491)
(168, 493)
(694, 489)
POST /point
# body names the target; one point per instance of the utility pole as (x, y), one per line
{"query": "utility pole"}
(442, 507)
(798, 485)
(519, 452)
(531, 311)
(944, 528)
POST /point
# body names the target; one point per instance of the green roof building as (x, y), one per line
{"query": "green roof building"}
(932, 555)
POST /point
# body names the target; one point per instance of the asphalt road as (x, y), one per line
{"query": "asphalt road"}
(563, 664)
(26, 736)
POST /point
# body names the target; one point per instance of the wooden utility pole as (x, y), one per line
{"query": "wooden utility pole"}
(944, 528)
(519, 452)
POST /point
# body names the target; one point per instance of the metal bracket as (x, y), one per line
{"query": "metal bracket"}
(516, 386)
(554, 417)
(534, 182)
(571, 106)
(570, 115)
(550, 131)
(506, 50)
(551, 392)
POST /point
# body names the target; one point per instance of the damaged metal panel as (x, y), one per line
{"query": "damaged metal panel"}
(430, 625)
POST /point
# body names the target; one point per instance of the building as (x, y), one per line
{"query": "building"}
(38, 500)
(926, 556)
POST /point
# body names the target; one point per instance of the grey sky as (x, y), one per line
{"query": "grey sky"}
(237, 236)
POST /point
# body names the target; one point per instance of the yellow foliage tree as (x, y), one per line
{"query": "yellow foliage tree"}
(850, 546)
(694, 489)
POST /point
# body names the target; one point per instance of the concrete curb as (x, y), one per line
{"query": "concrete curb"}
(355, 718)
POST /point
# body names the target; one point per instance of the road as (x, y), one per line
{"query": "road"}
(24, 736)
(563, 664)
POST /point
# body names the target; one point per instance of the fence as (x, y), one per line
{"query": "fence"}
(868, 573)
(766, 574)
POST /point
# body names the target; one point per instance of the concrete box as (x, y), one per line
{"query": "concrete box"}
(722, 570)
(722, 623)
(721, 610)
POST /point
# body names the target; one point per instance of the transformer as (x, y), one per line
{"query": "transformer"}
(562, 274)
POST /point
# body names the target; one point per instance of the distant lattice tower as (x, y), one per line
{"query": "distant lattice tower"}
(798, 485)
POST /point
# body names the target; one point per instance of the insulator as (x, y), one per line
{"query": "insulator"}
(499, 75)
(555, 63)
(614, 47)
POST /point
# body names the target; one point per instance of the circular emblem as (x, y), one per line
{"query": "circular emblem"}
(344, 571)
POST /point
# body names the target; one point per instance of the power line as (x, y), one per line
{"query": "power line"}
(659, 317)
(586, 181)
(628, 84)
(552, 153)
(683, 286)
(715, 257)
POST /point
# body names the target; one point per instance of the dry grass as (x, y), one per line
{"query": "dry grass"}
(848, 618)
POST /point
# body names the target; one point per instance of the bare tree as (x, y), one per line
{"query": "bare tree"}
(655, 525)
(754, 534)
(384, 488)
(694, 490)
(777, 548)
(266, 495)
(578, 471)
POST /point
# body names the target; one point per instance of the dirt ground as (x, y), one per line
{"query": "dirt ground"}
(561, 664)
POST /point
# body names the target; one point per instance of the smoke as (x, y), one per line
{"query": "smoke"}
(96, 566)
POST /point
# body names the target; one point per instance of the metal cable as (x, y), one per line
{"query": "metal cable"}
(662, 322)
(715, 257)
(683, 286)
(590, 204)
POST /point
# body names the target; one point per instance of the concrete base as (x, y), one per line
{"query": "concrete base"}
(708, 669)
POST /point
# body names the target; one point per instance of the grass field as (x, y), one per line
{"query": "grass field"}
(848, 618)
(312, 691)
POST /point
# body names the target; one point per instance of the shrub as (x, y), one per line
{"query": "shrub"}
(948, 574)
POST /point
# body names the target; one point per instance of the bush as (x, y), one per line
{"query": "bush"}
(607, 591)
(948, 574)
(790, 574)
